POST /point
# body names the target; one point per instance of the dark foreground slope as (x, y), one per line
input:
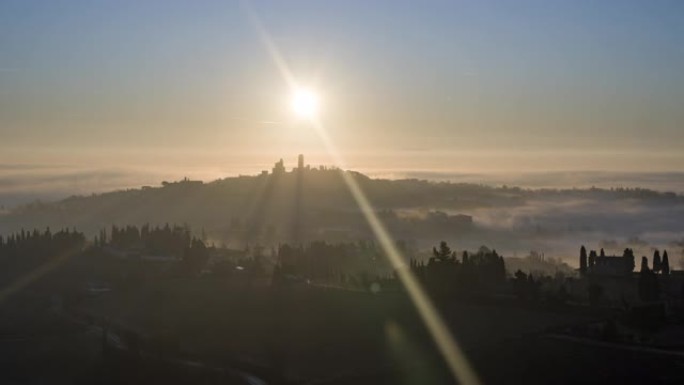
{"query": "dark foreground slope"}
(217, 331)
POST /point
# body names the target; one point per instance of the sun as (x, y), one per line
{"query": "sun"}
(305, 103)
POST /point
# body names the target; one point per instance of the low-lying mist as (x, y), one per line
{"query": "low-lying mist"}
(558, 225)
(552, 213)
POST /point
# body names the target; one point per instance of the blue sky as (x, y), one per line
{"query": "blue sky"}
(79, 79)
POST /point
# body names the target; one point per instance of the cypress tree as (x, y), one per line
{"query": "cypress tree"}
(592, 259)
(583, 260)
(628, 256)
(656, 261)
(644, 264)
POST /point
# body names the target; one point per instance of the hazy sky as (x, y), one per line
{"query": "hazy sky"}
(468, 85)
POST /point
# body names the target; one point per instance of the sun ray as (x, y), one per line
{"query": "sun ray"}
(453, 355)
(34, 275)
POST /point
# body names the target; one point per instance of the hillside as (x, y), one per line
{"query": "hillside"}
(316, 204)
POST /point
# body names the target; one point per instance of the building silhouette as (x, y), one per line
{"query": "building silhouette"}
(279, 167)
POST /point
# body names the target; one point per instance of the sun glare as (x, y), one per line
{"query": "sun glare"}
(305, 103)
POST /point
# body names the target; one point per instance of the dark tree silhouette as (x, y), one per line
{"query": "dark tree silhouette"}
(592, 259)
(444, 253)
(629, 261)
(656, 261)
(476, 272)
(603, 253)
(665, 264)
(24, 251)
(322, 261)
(644, 263)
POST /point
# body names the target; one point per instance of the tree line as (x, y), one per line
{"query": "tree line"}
(347, 263)
(446, 273)
(173, 241)
(25, 249)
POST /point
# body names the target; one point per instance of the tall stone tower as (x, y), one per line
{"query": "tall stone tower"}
(300, 162)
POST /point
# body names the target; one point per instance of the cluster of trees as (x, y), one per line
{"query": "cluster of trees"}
(333, 263)
(649, 286)
(166, 240)
(589, 262)
(40, 244)
(660, 265)
(361, 264)
(446, 273)
(175, 241)
(28, 248)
